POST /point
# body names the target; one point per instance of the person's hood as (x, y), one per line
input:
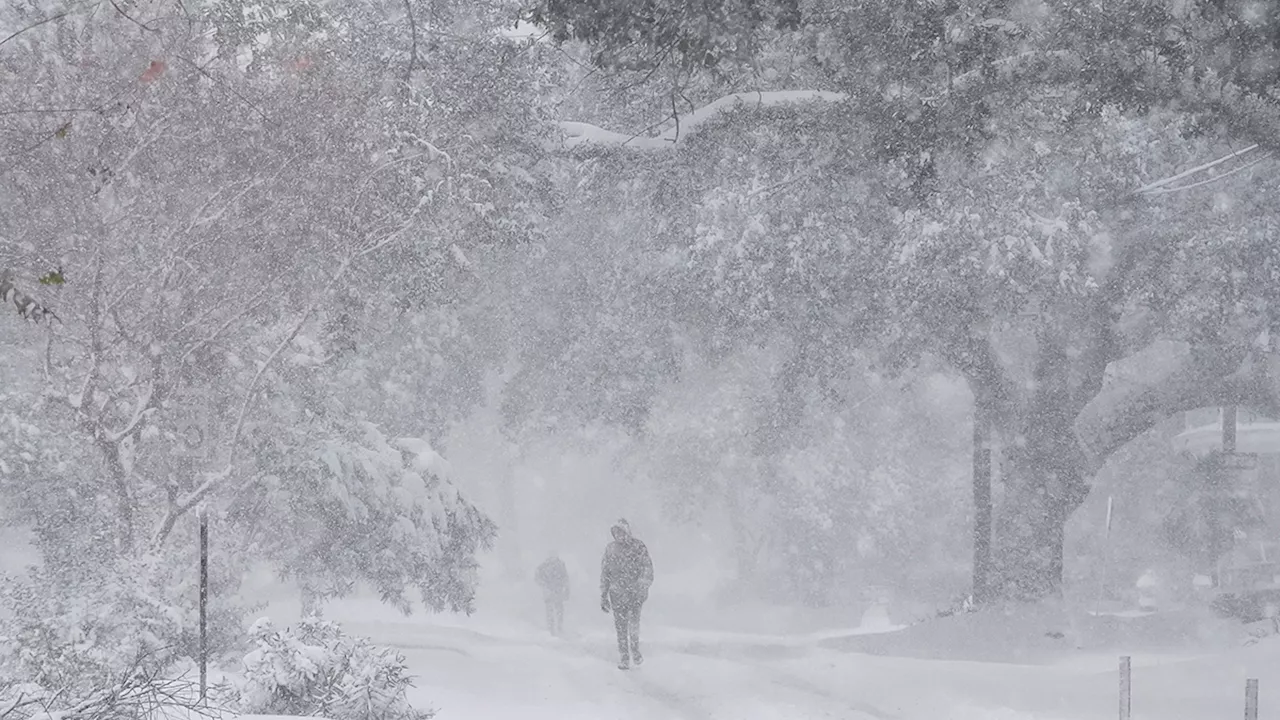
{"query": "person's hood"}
(621, 529)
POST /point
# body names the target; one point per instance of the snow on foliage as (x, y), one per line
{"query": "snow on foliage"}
(355, 505)
(317, 670)
(80, 627)
(106, 643)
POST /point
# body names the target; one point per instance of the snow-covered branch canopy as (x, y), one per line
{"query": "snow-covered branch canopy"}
(685, 126)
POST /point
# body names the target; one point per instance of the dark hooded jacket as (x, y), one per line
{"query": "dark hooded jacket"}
(626, 571)
(553, 577)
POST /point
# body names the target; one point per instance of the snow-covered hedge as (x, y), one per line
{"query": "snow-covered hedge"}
(316, 669)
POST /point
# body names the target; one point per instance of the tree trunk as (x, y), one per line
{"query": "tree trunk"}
(1045, 485)
(124, 498)
(1047, 482)
(312, 604)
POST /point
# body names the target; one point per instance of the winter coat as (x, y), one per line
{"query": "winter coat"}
(553, 577)
(626, 572)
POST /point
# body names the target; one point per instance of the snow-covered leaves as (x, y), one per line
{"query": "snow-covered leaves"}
(65, 636)
(76, 629)
(356, 506)
(317, 670)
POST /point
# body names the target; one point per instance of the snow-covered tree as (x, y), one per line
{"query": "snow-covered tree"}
(221, 179)
(959, 181)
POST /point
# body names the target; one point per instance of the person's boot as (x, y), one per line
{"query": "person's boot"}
(624, 663)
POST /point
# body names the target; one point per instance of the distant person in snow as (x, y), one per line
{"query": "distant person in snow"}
(553, 578)
(626, 572)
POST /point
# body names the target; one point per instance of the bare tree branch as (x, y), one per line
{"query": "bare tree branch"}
(413, 47)
(120, 11)
(145, 403)
(52, 18)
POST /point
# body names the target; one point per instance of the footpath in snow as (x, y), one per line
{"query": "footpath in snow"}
(499, 667)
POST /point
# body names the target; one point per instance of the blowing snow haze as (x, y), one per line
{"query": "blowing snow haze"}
(574, 359)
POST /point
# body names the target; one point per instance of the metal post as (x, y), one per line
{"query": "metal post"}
(1251, 699)
(1126, 688)
(1223, 483)
(204, 604)
(981, 508)
(1106, 556)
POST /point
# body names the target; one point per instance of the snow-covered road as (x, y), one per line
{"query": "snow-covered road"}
(503, 667)
(472, 675)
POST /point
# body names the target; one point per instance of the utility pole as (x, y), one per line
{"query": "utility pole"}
(1220, 488)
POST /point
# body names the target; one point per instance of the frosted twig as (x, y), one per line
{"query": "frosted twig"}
(1151, 187)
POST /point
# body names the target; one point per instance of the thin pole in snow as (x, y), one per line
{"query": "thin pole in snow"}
(981, 506)
(204, 604)
(1106, 559)
(1251, 699)
(1126, 688)
(1229, 420)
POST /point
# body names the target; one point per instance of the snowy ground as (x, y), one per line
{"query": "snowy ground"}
(494, 667)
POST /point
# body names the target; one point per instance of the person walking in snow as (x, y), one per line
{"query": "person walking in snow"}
(553, 578)
(626, 572)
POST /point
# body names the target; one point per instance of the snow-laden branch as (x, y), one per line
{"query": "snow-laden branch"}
(212, 481)
(578, 133)
(1189, 379)
(1051, 65)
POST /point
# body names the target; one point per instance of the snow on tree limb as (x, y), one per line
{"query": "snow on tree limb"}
(1197, 377)
(578, 133)
(1043, 64)
(213, 480)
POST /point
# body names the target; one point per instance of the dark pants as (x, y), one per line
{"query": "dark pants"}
(626, 620)
(555, 615)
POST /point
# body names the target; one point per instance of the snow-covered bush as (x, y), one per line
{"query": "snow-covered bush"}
(133, 694)
(63, 637)
(66, 629)
(101, 647)
(318, 670)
